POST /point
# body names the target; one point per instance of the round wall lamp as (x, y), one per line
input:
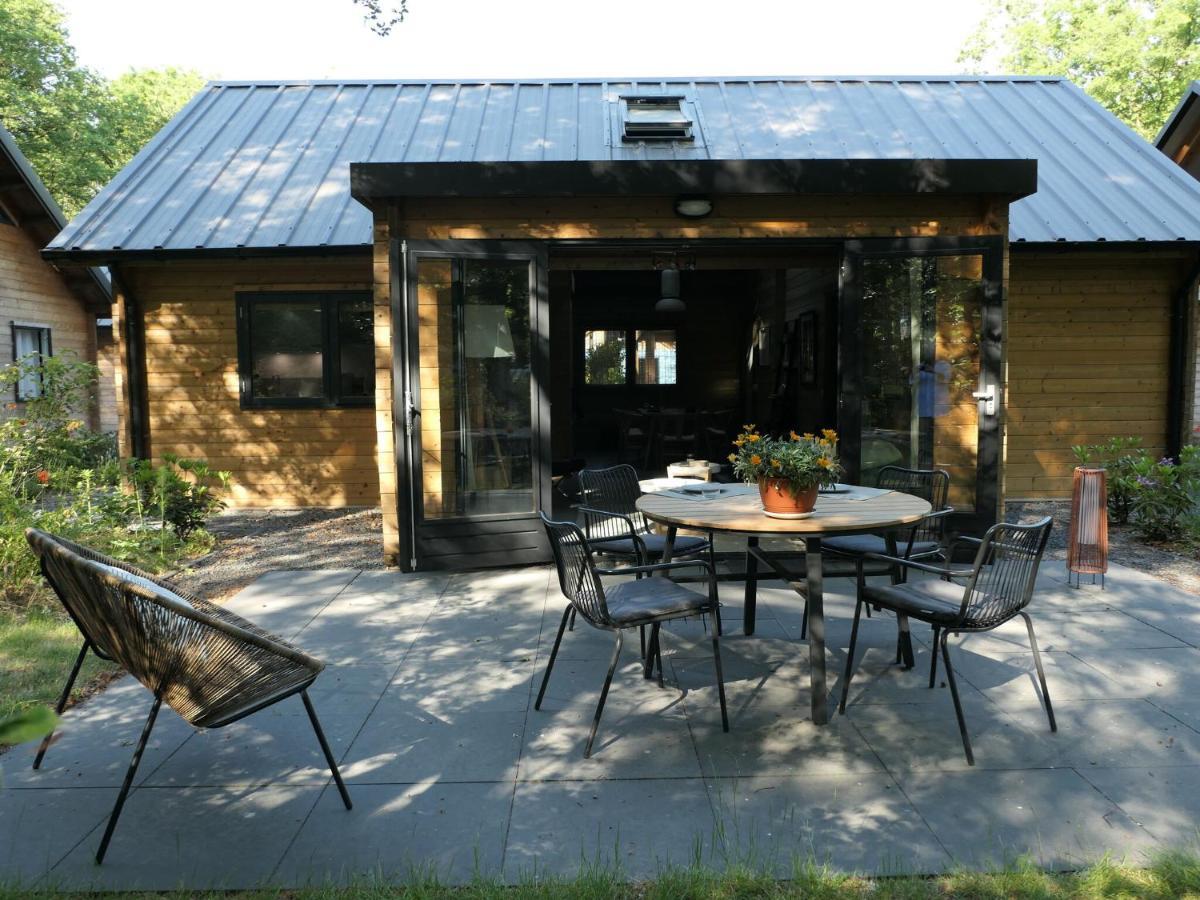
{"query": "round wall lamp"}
(693, 206)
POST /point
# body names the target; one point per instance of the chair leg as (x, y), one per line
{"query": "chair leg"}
(333, 767)
(128, 783)
(572, 628)
(568, 613)
(858, 608)
(804, 621)
(933, 659)
(904, 650)
(958, 710)
(612, 667)
(716, 642)
(1037, 661)
(658, 652)
(62, 700)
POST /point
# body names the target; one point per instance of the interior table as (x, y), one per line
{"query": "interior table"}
(738, 511)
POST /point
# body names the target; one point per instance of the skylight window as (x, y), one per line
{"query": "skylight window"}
(656, 119)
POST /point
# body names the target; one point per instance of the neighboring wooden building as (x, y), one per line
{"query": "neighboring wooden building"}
(968, 273)
(45, 310)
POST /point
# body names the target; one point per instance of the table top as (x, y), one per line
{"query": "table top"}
(741, 513)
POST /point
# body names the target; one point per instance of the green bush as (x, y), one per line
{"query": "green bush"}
(1121, 458)
(180, 491)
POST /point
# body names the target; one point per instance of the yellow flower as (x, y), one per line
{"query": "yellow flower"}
(829, 434)
(732, 457)
(777, 464)
(754, 438)
(755, 459)
(794, 436)
(808, 436)
(824, 462)
(749, 427)
(739, 442)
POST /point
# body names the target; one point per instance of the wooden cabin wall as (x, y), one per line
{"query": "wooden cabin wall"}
(278, 457)
(1088, 345)
(32, 293)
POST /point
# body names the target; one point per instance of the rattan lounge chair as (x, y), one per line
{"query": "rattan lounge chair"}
(209, 665)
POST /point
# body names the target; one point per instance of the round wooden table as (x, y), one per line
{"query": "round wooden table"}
(739, 511)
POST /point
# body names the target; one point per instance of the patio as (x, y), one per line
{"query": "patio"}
(428, 703)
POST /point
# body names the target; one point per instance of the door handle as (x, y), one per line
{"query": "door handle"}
(988, 398)
(410, 412)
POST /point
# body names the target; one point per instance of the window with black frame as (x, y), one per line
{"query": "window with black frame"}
(306, 350)
(30, 345)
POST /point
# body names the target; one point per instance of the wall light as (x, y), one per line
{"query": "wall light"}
(693, 206)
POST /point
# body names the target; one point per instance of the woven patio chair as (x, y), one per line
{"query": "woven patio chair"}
(209, 665)
(631, 604)
(998, 587)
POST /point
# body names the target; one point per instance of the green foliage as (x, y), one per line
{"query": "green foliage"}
(1121, 457)
(605, 362)
(381, 16)
(77, 128)
(1165, 497)
(28, 725)
(803, 459)
(180, 491)
(1136, 57)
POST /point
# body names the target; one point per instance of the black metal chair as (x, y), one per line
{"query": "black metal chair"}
(615, 527)
(922, 540)
(206, 663)
(998, 587)
(631, 604)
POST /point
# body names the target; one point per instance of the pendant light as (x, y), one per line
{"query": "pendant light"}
(670, 302)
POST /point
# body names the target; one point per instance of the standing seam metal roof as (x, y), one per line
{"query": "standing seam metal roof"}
(266, 165)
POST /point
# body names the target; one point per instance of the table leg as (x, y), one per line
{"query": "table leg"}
(904, 647)
(750, 602)
(816, 628)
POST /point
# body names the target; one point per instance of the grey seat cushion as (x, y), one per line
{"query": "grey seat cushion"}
(930, 600)
(685, 544)
(644, 599)
(859, 544)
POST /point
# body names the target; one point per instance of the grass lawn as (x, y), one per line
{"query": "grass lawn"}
(1170, 877)
(38, 646)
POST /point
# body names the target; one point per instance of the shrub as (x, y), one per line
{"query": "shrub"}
(180, 491)
(1163, 502)
(1122, 458)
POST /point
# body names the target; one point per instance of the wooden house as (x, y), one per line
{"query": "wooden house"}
(424, 295)
(46, 308)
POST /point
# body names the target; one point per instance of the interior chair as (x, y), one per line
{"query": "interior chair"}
(633, 436)
(675, 437)
(636, 603)
(996, 588)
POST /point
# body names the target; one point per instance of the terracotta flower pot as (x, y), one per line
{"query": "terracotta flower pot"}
(779, 496)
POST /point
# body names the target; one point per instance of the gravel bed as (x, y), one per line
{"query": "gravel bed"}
(1124, 547)
(252, 542)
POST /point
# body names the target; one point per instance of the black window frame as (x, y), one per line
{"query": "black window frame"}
(330, 350)
(45, 350)
(631, 333)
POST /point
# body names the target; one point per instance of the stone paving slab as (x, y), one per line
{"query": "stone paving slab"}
(428, 697)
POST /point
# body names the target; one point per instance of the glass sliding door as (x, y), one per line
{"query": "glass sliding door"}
(921, 344)
(478, 423)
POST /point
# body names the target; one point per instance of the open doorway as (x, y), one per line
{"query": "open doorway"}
(640, 381)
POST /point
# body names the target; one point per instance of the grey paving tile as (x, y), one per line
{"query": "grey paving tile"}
(274, 746)
(284, 602)
(394, 831)
(854, 823)
(577, 682)
(1157, 674)
(636, 827)
(750, 683)
(202, 838)
(38, 827)
(924, 736)
(344, 640)
(445, 685)
(1179, 617)
(1010, 679)
(632, 742)
(402, 744)
(1095, 630)
(1106, 733)
(779, 741)
(492, 630)
(1164, 801)
(1051, 816)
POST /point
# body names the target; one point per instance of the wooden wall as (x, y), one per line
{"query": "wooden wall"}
(1087, 358)
(32, 293)
(278, 457)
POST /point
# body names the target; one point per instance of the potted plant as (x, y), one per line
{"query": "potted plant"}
(789, 471)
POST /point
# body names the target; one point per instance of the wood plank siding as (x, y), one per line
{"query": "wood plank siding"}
(32, 293)
(278, 457)
(1087, 359)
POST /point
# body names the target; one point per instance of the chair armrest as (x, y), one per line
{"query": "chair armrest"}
(658, 567)
(631, 532)
(962, 539)
(923, 567)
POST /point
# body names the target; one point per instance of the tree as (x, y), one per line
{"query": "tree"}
(77, 128)
(1135, 57)
(381, 17)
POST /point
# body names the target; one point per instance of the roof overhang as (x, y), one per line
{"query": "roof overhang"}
(1186, 113)
(1013, 178)
(24, 194)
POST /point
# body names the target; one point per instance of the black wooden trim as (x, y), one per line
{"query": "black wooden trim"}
(1182, 331)
(134, 325)
(330, 351)
(1013, 178)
